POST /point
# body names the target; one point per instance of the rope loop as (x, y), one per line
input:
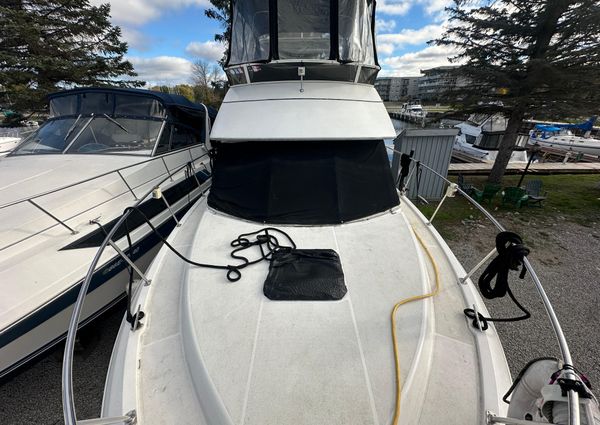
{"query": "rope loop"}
(511, 255)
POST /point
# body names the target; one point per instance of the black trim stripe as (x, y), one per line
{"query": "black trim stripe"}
(109, 270)
(151, 208)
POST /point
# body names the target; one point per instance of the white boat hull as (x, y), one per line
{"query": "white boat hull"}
(570, 144)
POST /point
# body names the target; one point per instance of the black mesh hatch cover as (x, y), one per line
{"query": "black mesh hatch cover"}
(307, 183)
(305, 274)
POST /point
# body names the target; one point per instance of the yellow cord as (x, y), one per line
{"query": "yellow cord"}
(394, 338)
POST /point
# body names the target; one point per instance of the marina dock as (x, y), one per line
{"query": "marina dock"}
(484, 168)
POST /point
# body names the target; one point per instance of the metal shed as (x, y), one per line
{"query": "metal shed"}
(432, 147)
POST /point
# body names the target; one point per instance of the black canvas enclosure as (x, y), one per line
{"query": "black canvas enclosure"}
(305, 274)
(302, 182)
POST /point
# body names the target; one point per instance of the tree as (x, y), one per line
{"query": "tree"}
(221, 12)
(205, 76)
(46, 45)
(527, 57)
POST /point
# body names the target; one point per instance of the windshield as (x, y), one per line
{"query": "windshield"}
(98, 134)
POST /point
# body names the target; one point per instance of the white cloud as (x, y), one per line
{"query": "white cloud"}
(401, 7)
(211, 51)
(162, 69)
(136, 39)
(382, 25)
(139, 12)
(411, 64)
(131, 14)
(394, 7)
(410, 36)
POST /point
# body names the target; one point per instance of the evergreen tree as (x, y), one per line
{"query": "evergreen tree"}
(527, 58)
(221, 12)
(46, 45)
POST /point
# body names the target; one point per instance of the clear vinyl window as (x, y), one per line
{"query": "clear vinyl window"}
(304, 29)
(250, 32)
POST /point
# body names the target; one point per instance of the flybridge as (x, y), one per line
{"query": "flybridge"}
(270, 38)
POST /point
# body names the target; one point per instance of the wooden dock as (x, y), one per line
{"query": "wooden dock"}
(536, 168)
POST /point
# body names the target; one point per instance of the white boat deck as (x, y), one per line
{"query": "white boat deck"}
(216, 352)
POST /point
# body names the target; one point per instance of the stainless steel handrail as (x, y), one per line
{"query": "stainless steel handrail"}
(573, 396)
(49, 192)
(68, 400)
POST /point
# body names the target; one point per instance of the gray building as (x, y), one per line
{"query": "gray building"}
(437, 81)
(395, 89)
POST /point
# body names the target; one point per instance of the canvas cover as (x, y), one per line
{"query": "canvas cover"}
(310, 183)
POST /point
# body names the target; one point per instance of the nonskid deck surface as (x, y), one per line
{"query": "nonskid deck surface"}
(217, 352)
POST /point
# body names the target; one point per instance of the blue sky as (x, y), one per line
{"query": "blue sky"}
(166, 36)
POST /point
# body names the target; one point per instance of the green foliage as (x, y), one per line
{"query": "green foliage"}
(526, 57)
(541, 56)
(46, 45)
(221, 12)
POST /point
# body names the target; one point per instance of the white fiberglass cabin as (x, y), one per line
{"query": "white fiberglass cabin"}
(284, 297)
(480, 137)
(63, 187)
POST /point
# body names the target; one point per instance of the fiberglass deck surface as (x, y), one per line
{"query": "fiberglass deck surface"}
(218, 352)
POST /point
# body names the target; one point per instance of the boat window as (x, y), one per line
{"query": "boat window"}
(182, 137)
(63, 105)
(250, 32)
(138, 106)
(52, 137)
(470, 139)
(165, 139)
(490, 141)
(304, 29)
(355, 34)
(117, 135)
(97, 103)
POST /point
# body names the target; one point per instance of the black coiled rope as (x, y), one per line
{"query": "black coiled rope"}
(511, 254)
(266, 239)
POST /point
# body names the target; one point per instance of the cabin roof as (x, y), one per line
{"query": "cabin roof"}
(169, 100)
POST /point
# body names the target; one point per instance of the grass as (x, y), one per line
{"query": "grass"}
(570, 197)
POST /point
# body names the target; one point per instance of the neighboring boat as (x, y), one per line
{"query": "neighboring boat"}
(413, 110)
(301, 179)
(7, 144)
(65, 184)
(560, 136)
(480, 137)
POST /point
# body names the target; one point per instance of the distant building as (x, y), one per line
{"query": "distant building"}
(394, 89)
(437, 81)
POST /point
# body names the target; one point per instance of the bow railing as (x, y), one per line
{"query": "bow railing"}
(573, 396)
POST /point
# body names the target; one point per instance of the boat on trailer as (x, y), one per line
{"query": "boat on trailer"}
(65, 185)
(479, 137)
(304, 288)
(561, 137)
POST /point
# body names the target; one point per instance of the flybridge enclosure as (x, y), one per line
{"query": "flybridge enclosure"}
(274, 37)
(304, 183)
(128, 103)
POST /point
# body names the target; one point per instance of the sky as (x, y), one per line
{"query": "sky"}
(166, 36)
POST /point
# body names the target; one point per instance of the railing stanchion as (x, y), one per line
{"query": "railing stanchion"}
(171, 211)
(167, 168)
(450, 193)
(463, 280)
(129, 261)
(127, 184)
(62, 223)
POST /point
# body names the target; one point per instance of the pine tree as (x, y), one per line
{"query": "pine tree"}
(221, 12)
(528, 58)
(46, 45)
